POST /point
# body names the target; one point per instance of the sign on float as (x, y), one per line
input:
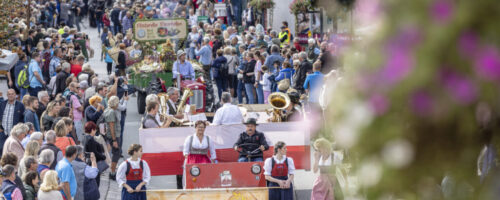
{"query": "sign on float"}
(160, 29)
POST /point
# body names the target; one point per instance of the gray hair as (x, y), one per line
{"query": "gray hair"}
(95, 81)
(303, 55)
(28, 161)
(30, 126)
(171, 90)
(36, 136)
(19, 129)
(42, 94)
(206, 40)
(113, 102)
(83, 77)
(66, 66)
(151, 98)
(50, 136)
(46, 156)
(226, 97)
(275, 49)
(274, 33)
(79, 150)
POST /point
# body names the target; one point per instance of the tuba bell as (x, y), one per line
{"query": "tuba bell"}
(163, 97)
(187, 93)
(279, 101)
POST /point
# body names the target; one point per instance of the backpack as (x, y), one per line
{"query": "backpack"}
(46, 66)
(223, 70)
(22, 79)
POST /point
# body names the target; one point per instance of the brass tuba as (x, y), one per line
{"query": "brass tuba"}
(279, 101)
(163, 97)
(187, 93)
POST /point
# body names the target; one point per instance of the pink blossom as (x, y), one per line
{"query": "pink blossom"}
(421, 103)
(459, 87)
(442, 11)
(379, 104)
(487, 64)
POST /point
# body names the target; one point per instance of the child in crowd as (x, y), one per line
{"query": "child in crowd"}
(266, 83)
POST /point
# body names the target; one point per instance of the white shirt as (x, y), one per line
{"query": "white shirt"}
(203, 145)
(121, 177)
(228, 114)
(268, 165)
(327, 162)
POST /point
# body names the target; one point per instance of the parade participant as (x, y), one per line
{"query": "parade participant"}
(249, 141)
(183, 67)
(228, 113)
(197, 146)
(279, 171)
(173, 97)
(150, 121)
(133, 175)
(294, 111)
(323, 188)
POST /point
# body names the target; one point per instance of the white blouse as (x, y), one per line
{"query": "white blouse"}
(327, 162)
(121, 177)
(196, 144)
(268, 165)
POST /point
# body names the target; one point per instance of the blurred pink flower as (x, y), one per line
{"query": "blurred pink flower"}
(379, 104)
(442, 10)
(399, 56)
(460, 88)
(421, 103)
(487, 64)
(468, 44)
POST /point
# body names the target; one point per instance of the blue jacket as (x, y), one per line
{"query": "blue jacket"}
(271, 59)
(285, 73)
(216, 66)
(30, 116)
(91, 114)
(18, 111)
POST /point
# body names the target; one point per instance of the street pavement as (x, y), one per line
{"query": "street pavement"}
(109, 189)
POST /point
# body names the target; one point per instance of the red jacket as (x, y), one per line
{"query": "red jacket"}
(105, 20)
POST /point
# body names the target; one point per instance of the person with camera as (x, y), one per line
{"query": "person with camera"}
(85, 168)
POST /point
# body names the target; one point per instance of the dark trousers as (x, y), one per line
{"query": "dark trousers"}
(109, 68)
(221, 85)
(34, 91)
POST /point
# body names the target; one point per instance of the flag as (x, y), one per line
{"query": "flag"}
(162, 147)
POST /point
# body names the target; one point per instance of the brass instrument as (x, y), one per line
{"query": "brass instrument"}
(163, 97)
(279, 101)
(187, 93)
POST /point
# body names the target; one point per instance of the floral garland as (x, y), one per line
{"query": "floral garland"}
(262, 4)
(300, 6)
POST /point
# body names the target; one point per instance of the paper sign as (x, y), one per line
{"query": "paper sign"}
(162, 29)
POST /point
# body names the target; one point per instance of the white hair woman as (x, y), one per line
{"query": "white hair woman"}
(50, 187)
(44, 161)
(112, 121)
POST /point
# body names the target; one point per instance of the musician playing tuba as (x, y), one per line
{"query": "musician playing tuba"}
(173, 98)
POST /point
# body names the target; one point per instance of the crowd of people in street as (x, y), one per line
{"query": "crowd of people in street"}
(62, 124)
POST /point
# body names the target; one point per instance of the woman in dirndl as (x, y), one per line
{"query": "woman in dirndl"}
(323, 188)
(133, 175)
(198, 146)
(279, 171)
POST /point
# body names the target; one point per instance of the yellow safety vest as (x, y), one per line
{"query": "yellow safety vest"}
(287, 40)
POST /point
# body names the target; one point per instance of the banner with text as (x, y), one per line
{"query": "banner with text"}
(160, 29)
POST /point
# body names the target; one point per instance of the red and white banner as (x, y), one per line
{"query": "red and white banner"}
(162, 147)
